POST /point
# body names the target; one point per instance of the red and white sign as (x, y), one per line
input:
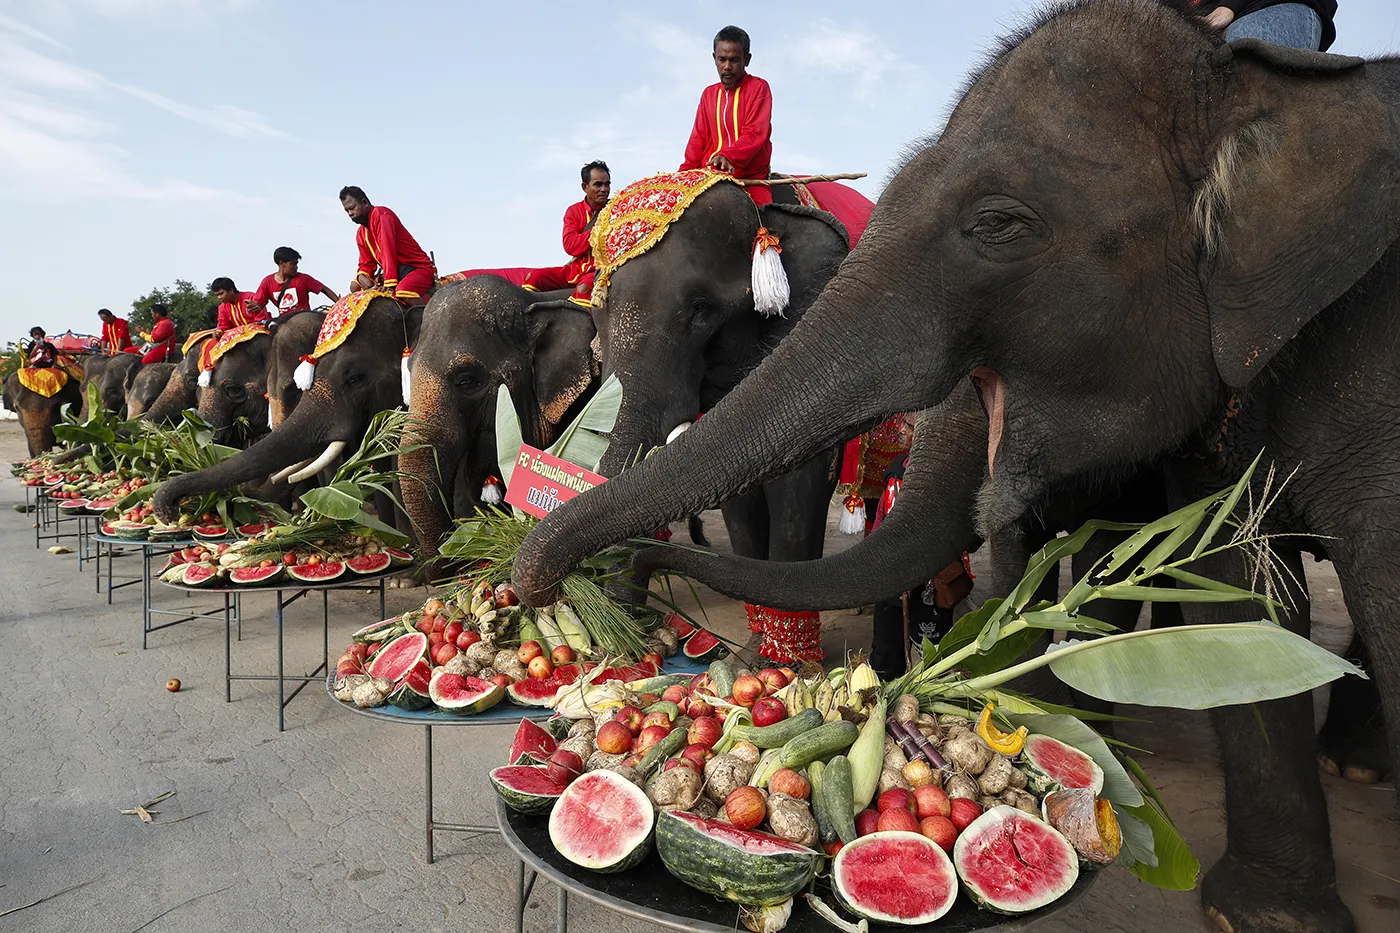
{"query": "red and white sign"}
(541, 482)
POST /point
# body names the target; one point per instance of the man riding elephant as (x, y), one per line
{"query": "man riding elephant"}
(734, 122)
(289, 290)
(162, 337)
(578, 273)
(389, 255)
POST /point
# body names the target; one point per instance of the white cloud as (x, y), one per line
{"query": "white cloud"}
(231, 121)
(827, 47)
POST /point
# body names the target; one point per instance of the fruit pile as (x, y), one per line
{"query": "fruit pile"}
(468, 656)
(251, 562)
(750, 782)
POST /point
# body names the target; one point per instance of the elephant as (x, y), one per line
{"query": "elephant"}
(238, 389)
(1178, 280)
(38, 415)
(147, 386)
(180, 389)
(679, 329)
(113, 375)
(478, 335)
(352, 384)
(293, 336)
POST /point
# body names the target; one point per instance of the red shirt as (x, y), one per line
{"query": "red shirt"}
(116, 335)
(238, 313)
(296, 292)
(736, 124)
(386, 246)
(576, 233)
(163, 339)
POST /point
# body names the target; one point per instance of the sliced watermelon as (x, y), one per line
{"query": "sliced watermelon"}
(198, 574)
(462, 694)
(379, 631)
(396, 658)
(73, 505)
(526, 788)
(101, 505)
(210, 532)
(370, 563)
(680, 626)
(411, 692)
(704, 646)
(317, 573)
(532, 692)
(531, 742)
(252, 531)
(604, 822)
(252, 576)
(399, 558)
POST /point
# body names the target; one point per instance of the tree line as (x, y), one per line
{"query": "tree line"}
(191, 308)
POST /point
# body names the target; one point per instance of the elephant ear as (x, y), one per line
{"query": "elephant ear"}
(562, 366)
(1301, 197)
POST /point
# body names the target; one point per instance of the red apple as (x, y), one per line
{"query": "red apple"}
(631, 717)
(704, 731)
(701, 681)
(439, 624)
(631, 761)
(563, 654)
(896, 798)
(683, 763)
(425, 625)
(897, 819)
(540, 668)
(452, 632)
(941, 830)
(658, 718)
(866, 822)
(963, 811)
(564, 766)
(505, 596)
(677, 694)
(768, 710)
(745, 806)
(747, 689)
(528, 651)
(468, 638)
(444, 652)
(614, 738)
(788, 781)
(930, 801)
(831, 848)
(502, 680)
(789, 673)
(699, 754)
(773, 680)
(646, 699)
(650, 736)
(434, 638)
(697, 706)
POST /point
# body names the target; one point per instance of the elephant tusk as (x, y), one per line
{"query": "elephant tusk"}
(678, 430)
(333, 450)
(285, 472)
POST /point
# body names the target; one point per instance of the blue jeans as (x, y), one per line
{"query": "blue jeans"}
(1292, 24)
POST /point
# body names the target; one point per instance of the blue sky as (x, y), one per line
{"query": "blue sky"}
(147, 140)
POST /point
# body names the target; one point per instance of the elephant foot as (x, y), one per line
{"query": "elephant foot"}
(1240, 898)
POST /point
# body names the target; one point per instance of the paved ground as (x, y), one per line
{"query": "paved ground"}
(319, 828)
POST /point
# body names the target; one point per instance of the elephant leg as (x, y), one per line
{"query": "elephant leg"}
(1352, 743)
(746, 520)
(797, 505)
(1277, 874)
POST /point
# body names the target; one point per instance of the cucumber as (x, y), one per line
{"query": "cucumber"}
(821, 742)
(826, 829)
(780, 733)
(659, 752)
(722, 676)
(815, 771)
(658, 685)
(836, 798)
(666, 706)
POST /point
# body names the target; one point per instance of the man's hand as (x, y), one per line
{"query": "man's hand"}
(1220, 17)
(257, 306)
(363, 282)
(720, 164)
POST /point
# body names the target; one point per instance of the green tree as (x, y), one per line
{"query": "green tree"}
(189, 308)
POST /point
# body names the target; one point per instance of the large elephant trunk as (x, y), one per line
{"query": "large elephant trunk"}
(300, 437)
(813, 392)
(432, 467)
(933, 523)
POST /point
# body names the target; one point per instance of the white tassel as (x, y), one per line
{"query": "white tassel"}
(405, 378)
(770, 283)
(852, 521)
(305, 374)
(491, 494)
(206, 376)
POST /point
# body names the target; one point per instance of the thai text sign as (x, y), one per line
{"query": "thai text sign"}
(541, 481)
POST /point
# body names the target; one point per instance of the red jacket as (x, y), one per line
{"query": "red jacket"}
(116, 335)
(163, 340)
(386, 246)
(736, 124)
(238, 313)
(576, 233)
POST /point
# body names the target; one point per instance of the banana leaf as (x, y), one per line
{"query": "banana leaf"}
(1176, 868)
(508, 436)
(339, 501)
(585, 440)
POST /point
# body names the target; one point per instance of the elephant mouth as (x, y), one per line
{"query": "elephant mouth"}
(993, 391)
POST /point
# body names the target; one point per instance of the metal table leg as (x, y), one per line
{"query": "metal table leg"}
(428, 784)
(523, 887)
(561, 922)
(145, 594)
(281, 672)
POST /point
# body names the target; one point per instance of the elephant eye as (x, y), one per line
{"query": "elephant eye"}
(235, 393)
(700, 308)
(354, 378)
(996, 227)
(466, 379)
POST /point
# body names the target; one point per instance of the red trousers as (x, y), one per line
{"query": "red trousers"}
(416, 284)
(161, 353)
(554, 279)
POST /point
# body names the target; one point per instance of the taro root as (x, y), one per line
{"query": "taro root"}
(891, 778)
(581, 727)
(345, 687)
(966, 749)
(668, 639)
(746, 752)
(1021, 800)
(949, 719)
(484, 652)
(367, 695)
(1018, 779)
(1087, 822)
(996, 777)
(705, 807)
(580, 745)
(603, 760)
(384, 685)
(791, 819)
(677, 789)
(486, 673)
(504, 658)
(906, 708)
(988, 801)
(894, 756)
(724, 774)
(632, 774)
(928, 725)
(515, 671)
(961, 785)
(461, 664)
